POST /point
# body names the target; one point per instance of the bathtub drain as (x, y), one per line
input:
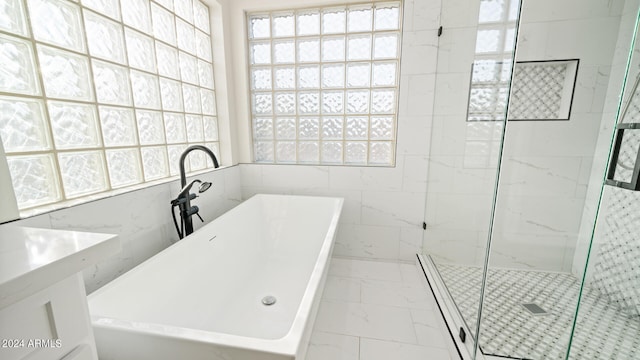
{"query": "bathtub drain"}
(268, 300)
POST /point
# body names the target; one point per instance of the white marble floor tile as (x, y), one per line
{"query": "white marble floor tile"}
(342, 289)
(327, 346)
(366, 320)
(411, 274)
(363, 269)
(412, 296)
(371, 349)
(429, 331)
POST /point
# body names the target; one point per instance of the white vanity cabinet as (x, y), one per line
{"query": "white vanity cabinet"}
(43, 304)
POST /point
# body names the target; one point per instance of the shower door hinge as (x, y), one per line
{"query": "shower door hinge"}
(463, 335)
(424, 225)
(439, 31)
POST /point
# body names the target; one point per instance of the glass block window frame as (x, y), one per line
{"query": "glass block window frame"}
(97, 95)
(324, 84)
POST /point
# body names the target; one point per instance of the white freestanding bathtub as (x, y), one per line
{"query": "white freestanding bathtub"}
(201, 298)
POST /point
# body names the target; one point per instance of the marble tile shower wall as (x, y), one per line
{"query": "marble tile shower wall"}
(546, 164)
(384, 207)
(141, 218)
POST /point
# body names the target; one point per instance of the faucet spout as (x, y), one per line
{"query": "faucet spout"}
(183, 201)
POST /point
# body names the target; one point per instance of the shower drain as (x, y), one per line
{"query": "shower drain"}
(268, 300)
(535, 309)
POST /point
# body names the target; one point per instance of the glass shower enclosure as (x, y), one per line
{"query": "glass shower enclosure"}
(529, 253)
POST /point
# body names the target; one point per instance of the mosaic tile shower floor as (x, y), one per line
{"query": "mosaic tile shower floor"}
(509, 330)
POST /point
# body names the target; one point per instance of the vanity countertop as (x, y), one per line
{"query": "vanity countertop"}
(32, 259)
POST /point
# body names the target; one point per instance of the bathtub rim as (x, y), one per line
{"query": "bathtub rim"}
(287, 345)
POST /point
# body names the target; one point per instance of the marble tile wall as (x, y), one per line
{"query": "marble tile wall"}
(546, 164)
(141, 218)
(384, 207)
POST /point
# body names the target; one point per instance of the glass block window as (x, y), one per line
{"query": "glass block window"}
(97, 95)
(324, 84)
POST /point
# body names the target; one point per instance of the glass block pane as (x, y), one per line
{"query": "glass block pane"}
(198, 160)
(309, 128)
(262, 104)
(259, 27)
(359, 18)
(333, 48)
(309, 50)
(82, 173)
(164, 27)
(385, 46)
(332, 128)
(333, 102)
(184, 9)
(191, 96)
(357, 101)
(188, 68)
(12, 17)
(171, 95)
(284, 52)
(168, 4)
(140, 51)
(174, 158)
(203, 45)
(509, 39)
(333, 76)
(355, 152)
(357, 128)
(201, 16)
(18, 71)
(283, 25)
(74, 125)
(22, 125)
(146, 92)
(195, 128)
(286, 128)
(154, 162)
(57, 22)
(286, 152)
(382, 127)
(285, 103)
(308, 103)
(308, 22)
(309, 77)
(210, 128)
(167, 61)
(260, 52)
(331, 152)
(491, 11)
(380, 153)
(118, 126)
(175, 129)
(150, 127)
(358, 75)
(136, 14)
(263, 128)
(261, 79)
(34, 179)
(186, 36)
(124, 167)
(383, 101)
(387, 17)
(334, 21)
(263, 151)
(384, 74)
(208, 100)
(112, 83)
(359, 47)
(65, 75)
(205, 74)
(308, 152)
(488, 40)
(285, 78)
(106, 7)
